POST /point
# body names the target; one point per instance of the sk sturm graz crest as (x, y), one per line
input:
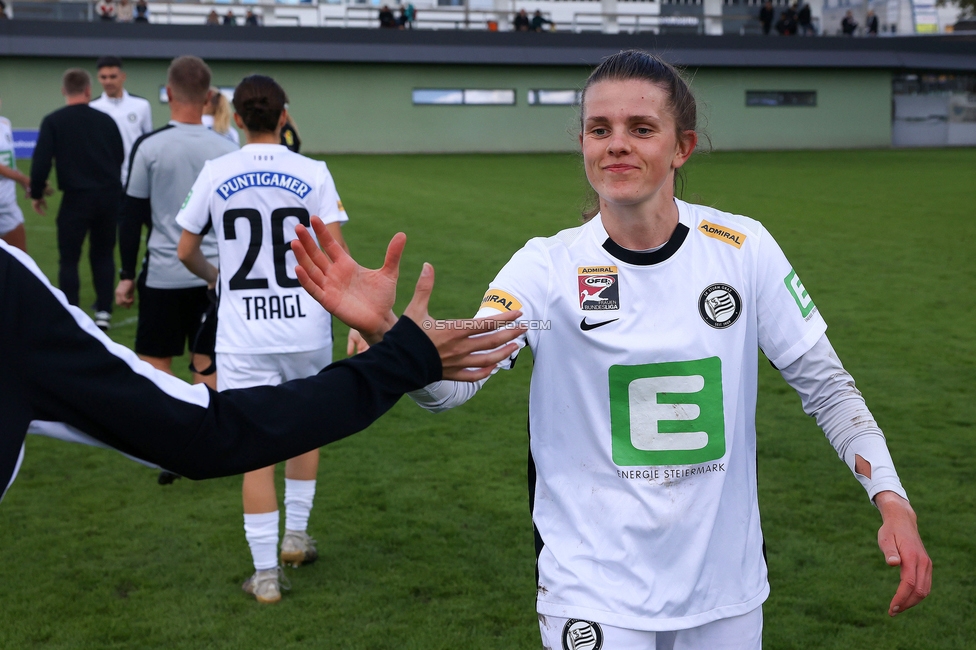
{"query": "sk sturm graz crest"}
(582, 635)
(719, 306)
(598, 288)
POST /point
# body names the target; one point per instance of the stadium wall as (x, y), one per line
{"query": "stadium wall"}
(367, 107)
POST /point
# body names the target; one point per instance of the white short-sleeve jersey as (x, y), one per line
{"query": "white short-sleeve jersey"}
(133, 116)
(642, 414)
(254, 198)
(8, 187)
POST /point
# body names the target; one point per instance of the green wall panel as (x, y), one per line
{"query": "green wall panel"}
(367, 108)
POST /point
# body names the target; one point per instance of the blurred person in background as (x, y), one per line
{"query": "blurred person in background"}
(521, 21)
(213, 18)
(125, 12)
(88, 151)
(251, 18)
(538, 20)
(11, 217)
(132, 114)
(848, 25)
(142, 12)
(804, 20)
(387, 19)
(289, 133)
(230, 19)
(766, 16)
(217, 116)
(105, 10)
(871, 23)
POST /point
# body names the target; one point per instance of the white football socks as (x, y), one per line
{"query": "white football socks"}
(298, 504)
(261, 533)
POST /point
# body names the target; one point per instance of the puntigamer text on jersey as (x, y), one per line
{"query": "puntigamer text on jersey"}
(263, 179)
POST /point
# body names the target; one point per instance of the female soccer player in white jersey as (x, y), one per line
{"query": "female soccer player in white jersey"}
(268, 330)
(645, 325)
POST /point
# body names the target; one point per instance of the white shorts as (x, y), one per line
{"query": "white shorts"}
(10, 218)
(247, 370)
(737, 633)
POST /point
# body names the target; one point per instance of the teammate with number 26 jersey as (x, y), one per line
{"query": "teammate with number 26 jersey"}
(253, 198)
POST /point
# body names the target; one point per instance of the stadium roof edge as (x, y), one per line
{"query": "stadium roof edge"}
(59, 39)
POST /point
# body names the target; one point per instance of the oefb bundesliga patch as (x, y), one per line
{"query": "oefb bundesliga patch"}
(719, 305)
(598, 288)
(582, 635)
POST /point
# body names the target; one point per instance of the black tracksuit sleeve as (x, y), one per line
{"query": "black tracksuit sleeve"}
(133, 215)
(41, 159)
(55, 365)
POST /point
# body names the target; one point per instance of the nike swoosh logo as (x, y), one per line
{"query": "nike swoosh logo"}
(586, 327)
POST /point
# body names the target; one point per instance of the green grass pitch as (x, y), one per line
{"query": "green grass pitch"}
(423, 521)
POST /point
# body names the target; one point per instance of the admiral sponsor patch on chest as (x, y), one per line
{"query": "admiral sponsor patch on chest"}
(729, 236)
(599, 289)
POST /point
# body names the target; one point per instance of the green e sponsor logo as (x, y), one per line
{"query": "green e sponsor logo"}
(800, 295)
(186, 200)
(667, 413)
(7, 158)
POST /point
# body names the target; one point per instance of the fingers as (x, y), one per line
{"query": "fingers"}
(886, 542)
(417, 309)
(915, 583)
(328, 243)
(478, 366)
(391, 265)
(310, 286)
(350, 346)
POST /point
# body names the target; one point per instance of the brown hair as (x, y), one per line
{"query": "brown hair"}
(259, 100)
(189, 79)
(640, 65)
(75, 82)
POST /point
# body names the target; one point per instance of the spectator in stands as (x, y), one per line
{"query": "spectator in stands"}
(213, 18)
(124, 13)
(3, 10)
(871, 23)
(766, 15)
(105, 10)
(521, 22)
(142, 12)
(387, 19)
(786, 25)
(408, 13)
(251, 18)
(805, 20)
(848, 25)
(538, 20)
(230, 18)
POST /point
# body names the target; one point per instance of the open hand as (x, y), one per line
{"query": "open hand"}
(361, 298)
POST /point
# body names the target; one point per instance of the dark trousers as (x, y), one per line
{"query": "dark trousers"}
(95, 213)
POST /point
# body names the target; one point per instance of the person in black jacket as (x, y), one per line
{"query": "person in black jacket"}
(87, 148)
(766, 15)
(58, 370)
(805, 20)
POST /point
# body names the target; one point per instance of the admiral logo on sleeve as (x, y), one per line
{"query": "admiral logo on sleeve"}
(598, 288)
(727, 235)
(263, 179)
(500, 300)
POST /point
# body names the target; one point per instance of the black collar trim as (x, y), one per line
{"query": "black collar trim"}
(639, 258)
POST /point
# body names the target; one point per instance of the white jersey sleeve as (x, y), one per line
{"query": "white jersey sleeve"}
(330, 205)
(522, 284)
(145, 119)
(789, 322)
(195, 213)
(828, 393)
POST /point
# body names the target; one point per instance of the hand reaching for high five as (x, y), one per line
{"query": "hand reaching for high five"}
(361, 298)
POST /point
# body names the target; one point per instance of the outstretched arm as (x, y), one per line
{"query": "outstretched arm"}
(363, 299)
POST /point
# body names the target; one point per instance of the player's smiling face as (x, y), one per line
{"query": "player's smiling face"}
(630, 143)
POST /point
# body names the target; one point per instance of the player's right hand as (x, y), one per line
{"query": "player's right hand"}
(39, 205)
